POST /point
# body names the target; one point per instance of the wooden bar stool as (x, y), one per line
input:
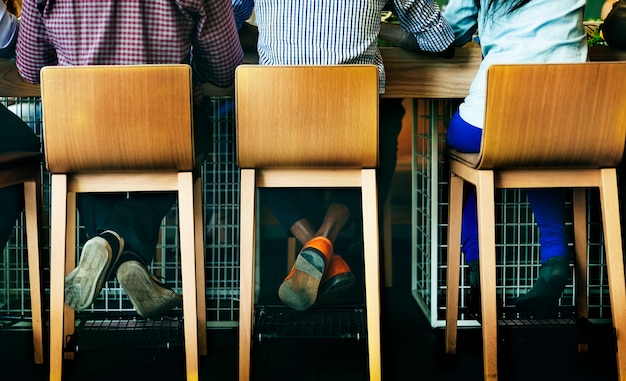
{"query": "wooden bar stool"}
(118, 129)
(307, 126)
(25, 168)
(546, 126)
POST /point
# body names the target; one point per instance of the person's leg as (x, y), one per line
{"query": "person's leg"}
(390, 116)
(297, 210)
(548, 206)
(121, 229)
(144, 213)
(126, 229)
(312, 267)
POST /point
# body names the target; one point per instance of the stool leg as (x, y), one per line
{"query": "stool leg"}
(387, 243)
(186, 218)
(198, 208)
(372, 270)
(246, 272)
(453, 264)
(580, 248)
(70, 264)
(32, 200)
(485, 191)
(57, 273)
(614, 262)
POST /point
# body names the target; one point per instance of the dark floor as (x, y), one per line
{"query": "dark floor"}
(412, 350)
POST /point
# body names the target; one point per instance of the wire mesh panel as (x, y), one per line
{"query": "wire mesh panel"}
(220, 191)
(14, 277)
(517, 248)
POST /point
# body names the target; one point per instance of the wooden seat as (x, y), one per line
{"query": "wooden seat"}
(25, 168)
(118, 129)
(308, 126)
(547, 125)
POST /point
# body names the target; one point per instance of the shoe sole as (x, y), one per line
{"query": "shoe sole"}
(84, 283)
(147, 296)
(300, 291)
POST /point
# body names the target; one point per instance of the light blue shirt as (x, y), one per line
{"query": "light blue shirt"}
(8, 32)
(541, 31)
(333, 32)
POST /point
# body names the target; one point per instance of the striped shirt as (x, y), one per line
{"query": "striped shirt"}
(332, 32)
(121, 32)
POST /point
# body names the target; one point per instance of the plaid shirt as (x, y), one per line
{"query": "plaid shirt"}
(122, 32)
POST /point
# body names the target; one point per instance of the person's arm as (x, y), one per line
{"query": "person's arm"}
(33, 50)
(8, 32)
(249, 36)
(462, 15)
(248, 33)
(423, 20)
(216, 50)
(395, 35)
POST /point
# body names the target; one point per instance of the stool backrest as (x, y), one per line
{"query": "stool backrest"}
(117, 118)
(555, 115)
(307, 116)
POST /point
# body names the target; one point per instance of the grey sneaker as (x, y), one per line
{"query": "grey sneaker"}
(149, 296)
(85, 282)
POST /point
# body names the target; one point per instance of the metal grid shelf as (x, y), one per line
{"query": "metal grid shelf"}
(562, 321)
(341, 322)
(106, 334)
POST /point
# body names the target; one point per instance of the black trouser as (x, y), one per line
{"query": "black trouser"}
(15, 135)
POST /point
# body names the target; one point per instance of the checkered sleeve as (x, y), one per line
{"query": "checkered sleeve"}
(33, 50)
(217, 50)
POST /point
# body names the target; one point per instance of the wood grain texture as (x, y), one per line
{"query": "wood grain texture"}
(93, 121)
(555, 115)
(12, 84)
(410, 75)
(307, 116)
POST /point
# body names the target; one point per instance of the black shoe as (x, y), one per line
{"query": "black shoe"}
(474, 303)
(97, 259)
(543, 298)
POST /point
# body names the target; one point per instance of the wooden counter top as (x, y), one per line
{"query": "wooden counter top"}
(12, 84)
(408, 75)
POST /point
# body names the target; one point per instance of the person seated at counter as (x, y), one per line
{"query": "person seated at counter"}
(516, 31)
(327, 33)
(123, 230)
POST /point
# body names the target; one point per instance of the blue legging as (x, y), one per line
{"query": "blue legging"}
(548, 205)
